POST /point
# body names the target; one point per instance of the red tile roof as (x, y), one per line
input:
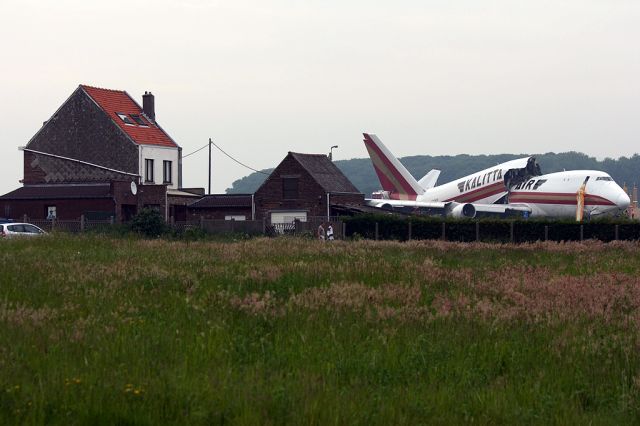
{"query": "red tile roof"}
(119, 101)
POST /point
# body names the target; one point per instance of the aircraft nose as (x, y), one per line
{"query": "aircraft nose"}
(622, 201)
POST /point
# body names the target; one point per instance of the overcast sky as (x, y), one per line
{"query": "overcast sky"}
(265, 77)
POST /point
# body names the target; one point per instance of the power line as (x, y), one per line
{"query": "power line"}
(199, 149)
(237, 161)
(221, 150)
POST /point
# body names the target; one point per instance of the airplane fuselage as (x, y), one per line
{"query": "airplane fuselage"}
(553, 194)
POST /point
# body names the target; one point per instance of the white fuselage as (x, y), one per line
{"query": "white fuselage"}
(485, 187)
(553, 194)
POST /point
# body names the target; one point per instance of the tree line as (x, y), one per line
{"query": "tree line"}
(360, 171)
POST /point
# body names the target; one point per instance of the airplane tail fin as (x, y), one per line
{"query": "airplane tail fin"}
(394, 177)
(429, 180)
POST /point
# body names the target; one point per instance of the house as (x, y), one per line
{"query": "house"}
(304, 186)
(99, 139)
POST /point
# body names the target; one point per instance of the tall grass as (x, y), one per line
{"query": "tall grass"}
(95, 330)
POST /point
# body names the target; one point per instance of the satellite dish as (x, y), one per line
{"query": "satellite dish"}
(134, 188)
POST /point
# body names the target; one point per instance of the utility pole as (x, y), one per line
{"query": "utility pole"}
(209, 166)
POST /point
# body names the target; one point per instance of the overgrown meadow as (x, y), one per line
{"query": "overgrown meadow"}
(99, 330)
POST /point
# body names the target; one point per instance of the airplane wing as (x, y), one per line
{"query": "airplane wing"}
(390, 204)
(448, 208)
(451, 208)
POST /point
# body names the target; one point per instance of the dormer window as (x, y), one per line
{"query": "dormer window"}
(125, 118)
(139, 121)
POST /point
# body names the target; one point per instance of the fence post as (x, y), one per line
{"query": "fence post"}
(53, 223)
(24, 218)
(172, 221)
(546, 232)
(444, 231)
(616, 234)
(409, 236)
(82, 223)
(511, 232)
(111, 220)
(477, 231)
(581, 232)
(264, 225)
(376, 231)
(344, 230)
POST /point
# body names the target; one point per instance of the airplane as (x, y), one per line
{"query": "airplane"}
(516, 187)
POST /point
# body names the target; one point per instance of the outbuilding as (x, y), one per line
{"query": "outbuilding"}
(304, 186)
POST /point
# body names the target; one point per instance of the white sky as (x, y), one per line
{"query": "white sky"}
(265, 77)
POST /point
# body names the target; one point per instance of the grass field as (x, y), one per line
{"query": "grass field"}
(95, 330)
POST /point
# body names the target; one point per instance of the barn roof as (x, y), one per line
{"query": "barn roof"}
(325, 172)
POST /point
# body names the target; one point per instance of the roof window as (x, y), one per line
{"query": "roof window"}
(125, 118)
(139, 121)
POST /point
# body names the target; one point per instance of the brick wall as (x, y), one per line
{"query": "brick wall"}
(121, 203)
(82, 131)
(45, 169)
(69, 209)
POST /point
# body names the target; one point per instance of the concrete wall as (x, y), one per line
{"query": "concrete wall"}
(159, 154)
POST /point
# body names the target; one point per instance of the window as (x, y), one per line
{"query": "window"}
(31, 229)
(607, 178)
(139, 121)
(235, 217)
(148, 170)
(166, 172)
(125, 118)
(289, 187)
(51, 212)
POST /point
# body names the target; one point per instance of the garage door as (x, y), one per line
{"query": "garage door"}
(288, 217)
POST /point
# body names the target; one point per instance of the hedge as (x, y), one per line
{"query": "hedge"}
(392, 227)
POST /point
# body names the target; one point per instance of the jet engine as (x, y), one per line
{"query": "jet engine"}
(463, 211)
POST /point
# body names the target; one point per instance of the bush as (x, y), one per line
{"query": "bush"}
(149, 222)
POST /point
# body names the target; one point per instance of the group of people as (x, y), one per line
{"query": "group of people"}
(325, 234)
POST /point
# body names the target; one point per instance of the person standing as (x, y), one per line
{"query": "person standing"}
(321, 232)
(330, 232)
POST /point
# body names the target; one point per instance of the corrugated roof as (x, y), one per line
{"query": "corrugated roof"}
(222, 200)
(118, 101)
(327, 174)
(49, 192)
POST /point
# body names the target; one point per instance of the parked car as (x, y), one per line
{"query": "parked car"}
(10, 230)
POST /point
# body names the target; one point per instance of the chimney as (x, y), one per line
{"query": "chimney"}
(148, 105)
